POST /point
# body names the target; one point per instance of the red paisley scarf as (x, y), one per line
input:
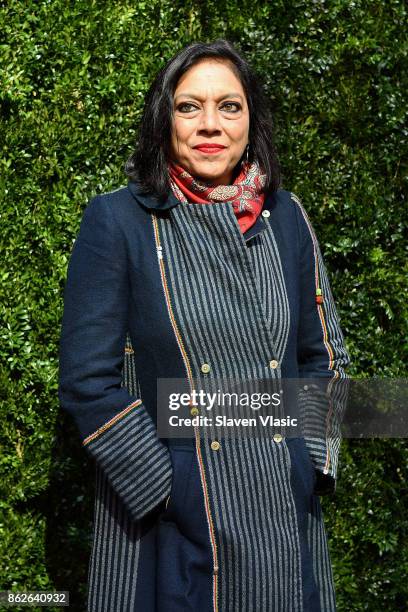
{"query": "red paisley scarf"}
(245, 193)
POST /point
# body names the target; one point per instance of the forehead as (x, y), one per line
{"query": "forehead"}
(209, 74)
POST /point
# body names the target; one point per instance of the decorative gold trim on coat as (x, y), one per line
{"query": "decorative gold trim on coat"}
(111, 422)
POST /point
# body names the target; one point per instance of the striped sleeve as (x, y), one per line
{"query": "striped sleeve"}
(114, 425)
(322, 359)
(135, 462)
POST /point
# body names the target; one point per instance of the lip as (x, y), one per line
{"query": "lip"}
(211, 148)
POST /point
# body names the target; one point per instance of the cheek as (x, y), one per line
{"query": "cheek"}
(181, 131)
(238, 130)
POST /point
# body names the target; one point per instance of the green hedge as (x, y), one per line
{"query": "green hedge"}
(74, 75)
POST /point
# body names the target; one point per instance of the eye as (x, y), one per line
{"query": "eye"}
(231, 107)
(186, 107)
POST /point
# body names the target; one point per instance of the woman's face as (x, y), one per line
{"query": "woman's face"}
(209, 108)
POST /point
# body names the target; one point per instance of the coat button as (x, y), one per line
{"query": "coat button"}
(194, 411)
(205, 368)
(277, 437)
(273, 364)
(215, 445)
(266, 213)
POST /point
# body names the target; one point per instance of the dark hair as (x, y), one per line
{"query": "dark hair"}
(148, 163)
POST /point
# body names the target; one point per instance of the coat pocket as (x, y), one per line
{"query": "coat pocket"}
(303, 470)
(182, 460)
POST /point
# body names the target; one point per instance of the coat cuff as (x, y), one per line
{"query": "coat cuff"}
(324, 456)
(136, 463)
(322, 408)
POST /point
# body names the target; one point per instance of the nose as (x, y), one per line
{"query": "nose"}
(209, 120)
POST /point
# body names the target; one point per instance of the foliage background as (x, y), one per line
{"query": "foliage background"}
(73, 78)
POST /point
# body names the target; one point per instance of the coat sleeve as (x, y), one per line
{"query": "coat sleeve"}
(114, 426)
(322, 359)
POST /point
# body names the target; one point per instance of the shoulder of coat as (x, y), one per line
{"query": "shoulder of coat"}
(297, 202)
(299, 205)
(121, 204)
(115, 192)
(295, 198)
(119, 199)
(121, 188)
(282, 202)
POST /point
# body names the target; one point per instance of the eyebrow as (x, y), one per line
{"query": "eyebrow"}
(228, 95)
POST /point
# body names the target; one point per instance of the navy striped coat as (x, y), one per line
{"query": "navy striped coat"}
(156, 289)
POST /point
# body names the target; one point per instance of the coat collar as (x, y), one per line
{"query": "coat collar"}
(151, 202)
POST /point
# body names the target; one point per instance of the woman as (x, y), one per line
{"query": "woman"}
(205, 269)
